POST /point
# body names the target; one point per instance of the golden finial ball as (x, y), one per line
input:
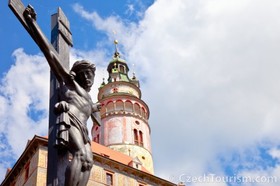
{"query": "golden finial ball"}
(116, 42)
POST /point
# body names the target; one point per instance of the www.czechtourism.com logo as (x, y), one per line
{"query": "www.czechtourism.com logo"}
(213, 178)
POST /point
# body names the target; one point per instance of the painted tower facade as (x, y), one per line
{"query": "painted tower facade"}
(124, 115)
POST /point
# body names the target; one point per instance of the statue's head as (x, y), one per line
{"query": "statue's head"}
(84, 73)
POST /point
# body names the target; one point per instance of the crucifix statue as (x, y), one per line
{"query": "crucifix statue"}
(72, 109)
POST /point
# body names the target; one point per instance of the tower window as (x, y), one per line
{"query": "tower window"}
(135, 136)
(103, 110)
(141, 138)
(128, 106)
(110, 107)
(96, 128)
(137, 109)
(143, 112)
(119, 105)
(122, 69)
(96, 139)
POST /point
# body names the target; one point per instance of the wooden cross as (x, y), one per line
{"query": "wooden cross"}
(61, 39)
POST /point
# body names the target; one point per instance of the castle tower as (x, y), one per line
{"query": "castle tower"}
(124, 115)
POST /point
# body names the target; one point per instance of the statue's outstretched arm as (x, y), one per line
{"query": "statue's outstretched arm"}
(53, 59)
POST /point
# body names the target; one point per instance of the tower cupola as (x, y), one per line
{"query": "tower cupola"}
(117, 68)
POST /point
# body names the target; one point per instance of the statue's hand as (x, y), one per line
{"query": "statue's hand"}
(29, 13)
(61, 106)
(97, 107)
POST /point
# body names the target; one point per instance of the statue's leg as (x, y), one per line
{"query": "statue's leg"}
(88, 164)
(74, 172)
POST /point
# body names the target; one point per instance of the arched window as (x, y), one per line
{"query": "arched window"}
(128, 106)
(103, 110)
(119, 105)
(122, 69)
(96, 139)
(140, 138)
(137, 109)
(143, 112)
(96, 128)
(135, 136)
(110, 107)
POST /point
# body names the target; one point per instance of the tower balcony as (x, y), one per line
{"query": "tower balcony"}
(126, 106)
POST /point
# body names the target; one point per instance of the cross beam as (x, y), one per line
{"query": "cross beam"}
(18, 8)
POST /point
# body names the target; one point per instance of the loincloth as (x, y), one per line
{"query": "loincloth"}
(64, 122)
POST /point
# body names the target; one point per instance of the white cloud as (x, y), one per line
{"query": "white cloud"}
(130, 9)
(256, 177)
(211, 78)
(136, 8)
(275, 153)
(23, 88)
(210, 72)
(113, 26)
(24, 93)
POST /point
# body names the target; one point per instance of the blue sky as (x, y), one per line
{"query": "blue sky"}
(209, 71)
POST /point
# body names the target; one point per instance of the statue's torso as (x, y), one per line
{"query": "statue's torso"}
(79, 100)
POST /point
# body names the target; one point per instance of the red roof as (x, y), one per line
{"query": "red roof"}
(112, 154)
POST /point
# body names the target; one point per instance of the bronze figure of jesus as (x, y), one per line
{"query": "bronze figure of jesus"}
(74, 108)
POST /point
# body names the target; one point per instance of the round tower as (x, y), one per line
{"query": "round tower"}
(124, 114)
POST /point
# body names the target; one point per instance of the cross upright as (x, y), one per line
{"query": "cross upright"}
(61, 39)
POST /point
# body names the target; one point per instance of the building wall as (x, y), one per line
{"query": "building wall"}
(98, 177)
(119, 129)
(34, 172)
(38, 173)
(42, 166)
(27, 175)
